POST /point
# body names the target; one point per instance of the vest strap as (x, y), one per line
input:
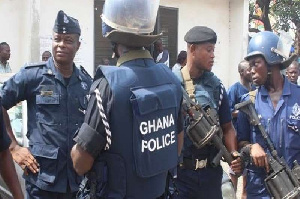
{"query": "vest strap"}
(188, 82)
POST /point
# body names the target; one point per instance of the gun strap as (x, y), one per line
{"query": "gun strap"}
(252, 95)
(188, 82)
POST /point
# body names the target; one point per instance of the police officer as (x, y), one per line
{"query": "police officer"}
(56, 93)
(235, 93)
(7, 167)
(133, 118)
(197, 178)
(277, 101)
(292, 72)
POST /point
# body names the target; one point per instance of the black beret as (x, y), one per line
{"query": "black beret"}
(200, 34)
(65, 24)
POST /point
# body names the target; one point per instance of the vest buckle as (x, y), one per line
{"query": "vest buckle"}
(200, 164)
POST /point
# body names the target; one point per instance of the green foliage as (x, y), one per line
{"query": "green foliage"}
(251, 7)
(285, 12)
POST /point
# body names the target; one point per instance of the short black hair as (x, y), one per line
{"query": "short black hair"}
(47, 51)
(181, 57)
(3, 44)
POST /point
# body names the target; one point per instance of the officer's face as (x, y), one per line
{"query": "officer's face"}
(246, 73)
(204, 55)
(46, 56)
(259, 70)
(64, 47)
(292, 73)
(5, 52)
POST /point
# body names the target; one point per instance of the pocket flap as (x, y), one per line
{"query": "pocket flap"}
(45, 151)
(48, 99)
(154, 98)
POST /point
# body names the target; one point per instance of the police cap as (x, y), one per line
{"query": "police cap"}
(65, 24)
(200, 34)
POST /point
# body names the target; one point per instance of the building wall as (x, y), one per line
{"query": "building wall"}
(28, 29)
(238, 39)
(14, 29)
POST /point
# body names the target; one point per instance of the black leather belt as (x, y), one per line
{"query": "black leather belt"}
(193, 164)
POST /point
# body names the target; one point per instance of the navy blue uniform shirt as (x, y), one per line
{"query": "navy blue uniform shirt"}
(235, 93)
(55, 111)
(282, 124)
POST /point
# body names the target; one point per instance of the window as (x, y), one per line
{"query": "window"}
(167, 22)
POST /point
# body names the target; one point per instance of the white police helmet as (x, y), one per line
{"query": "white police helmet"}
(130, 21)
(268, 45)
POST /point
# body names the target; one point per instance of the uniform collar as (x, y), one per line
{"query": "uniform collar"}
(286, 88)
(52, 70)
(134, 54)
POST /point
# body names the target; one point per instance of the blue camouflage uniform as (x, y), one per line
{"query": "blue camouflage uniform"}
(235, 93)
(142, 102)
(55, 112)
(281, 123)
(205, 182)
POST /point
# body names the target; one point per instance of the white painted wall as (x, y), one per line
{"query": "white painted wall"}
(28, 29)
(13, 29)
(238, 39)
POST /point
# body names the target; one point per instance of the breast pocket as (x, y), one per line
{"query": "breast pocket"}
(204, 99)
(48, 108)
(83, 102)
(79, 106)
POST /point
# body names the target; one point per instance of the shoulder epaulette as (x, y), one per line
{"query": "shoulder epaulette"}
(37, 64)
(85, 72)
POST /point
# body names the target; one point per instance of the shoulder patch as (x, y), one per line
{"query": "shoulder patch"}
(85, 72)
(37, 64)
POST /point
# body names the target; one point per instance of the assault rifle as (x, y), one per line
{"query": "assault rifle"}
(205, 128)
(281, 182)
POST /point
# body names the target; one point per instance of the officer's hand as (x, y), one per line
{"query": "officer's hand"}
(259, 157)
(24, 159)
(236, 164)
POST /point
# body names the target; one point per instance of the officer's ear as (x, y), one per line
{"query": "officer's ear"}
(78, 42)
(192, 48)
(241, 72)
